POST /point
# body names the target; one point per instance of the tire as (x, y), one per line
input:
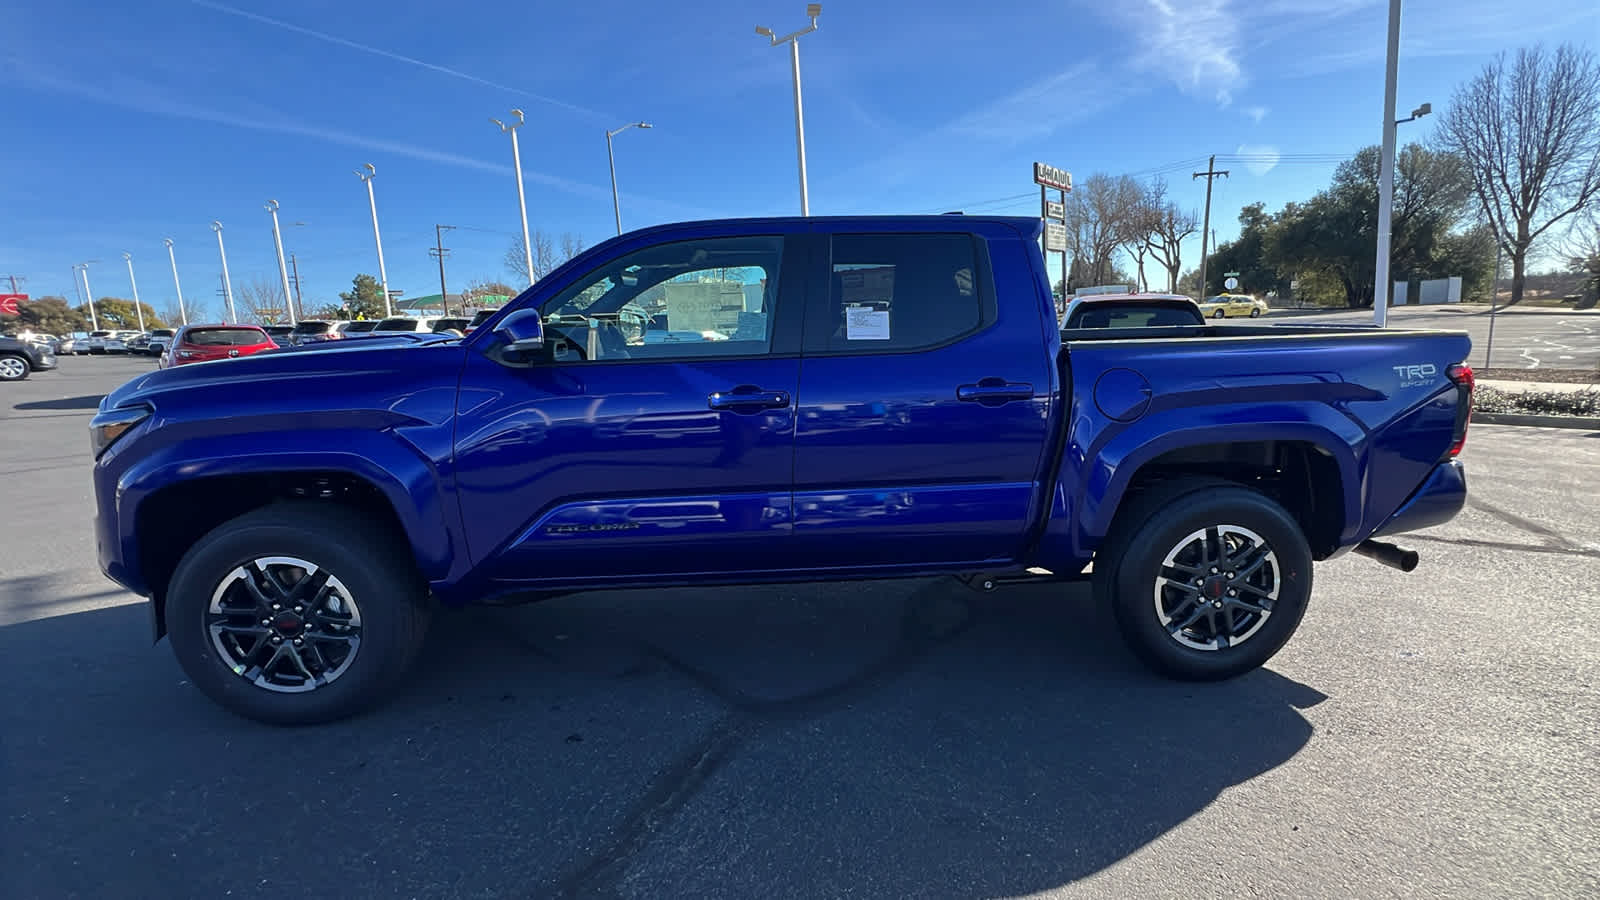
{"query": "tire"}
(1255, 313)
(1219, 314)
(13, 367)
(383, 605)
(1132, 575)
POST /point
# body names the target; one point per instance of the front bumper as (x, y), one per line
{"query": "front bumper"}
(1437, 501)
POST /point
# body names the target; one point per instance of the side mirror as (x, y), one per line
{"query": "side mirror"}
(523, 331)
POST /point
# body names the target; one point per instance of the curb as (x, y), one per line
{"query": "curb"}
(1588, 423)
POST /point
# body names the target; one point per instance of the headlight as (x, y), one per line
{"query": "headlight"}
(107, 426)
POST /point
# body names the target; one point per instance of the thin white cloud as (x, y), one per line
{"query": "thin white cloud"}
(1041, 108)
(136, 96)
(1259, 159)
(1255, 113)
(398, 57)
(1194, 45)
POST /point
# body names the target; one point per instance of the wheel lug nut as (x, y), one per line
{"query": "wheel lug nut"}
(277, 639)
(266, 621)
(299, 641)
(1218, 604)
(1213, 570)
(277, 606)
(1233, 593)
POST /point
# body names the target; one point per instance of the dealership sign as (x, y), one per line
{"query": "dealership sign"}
(1050, 176)
(10, 302)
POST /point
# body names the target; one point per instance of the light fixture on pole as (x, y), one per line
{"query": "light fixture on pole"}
(283, 268)
(227, 284)
(94, 321)
(137, 308)
(812, 10)
(383, 275)
(522, 200)
(1416, 114)
(182, 312)
(616, 204)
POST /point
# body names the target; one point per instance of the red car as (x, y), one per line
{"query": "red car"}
(203, 343)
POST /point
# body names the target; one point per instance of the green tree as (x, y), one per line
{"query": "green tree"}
(117, 313)
(1249, 255)
(49, 315)
(364, 300)
(1336, 230)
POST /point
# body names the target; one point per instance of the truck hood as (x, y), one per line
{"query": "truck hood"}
(322, 364)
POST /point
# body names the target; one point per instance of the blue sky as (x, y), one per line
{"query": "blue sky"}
(130, 123)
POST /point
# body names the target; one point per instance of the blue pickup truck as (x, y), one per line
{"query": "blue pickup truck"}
(744, 401)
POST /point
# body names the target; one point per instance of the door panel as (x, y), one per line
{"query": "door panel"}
(572, 472)
(927, 455)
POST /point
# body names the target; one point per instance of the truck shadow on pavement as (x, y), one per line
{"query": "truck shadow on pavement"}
(889, 739)
(87, 401)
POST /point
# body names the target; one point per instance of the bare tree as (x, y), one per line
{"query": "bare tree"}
(261, 300)
(1165, 239)
(545, 255)
(1102, 213)
(1530, 135)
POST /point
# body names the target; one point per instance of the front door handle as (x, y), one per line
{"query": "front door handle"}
(994, 391)
(747, 398)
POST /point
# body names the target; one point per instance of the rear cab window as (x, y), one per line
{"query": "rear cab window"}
(397, 324)
(225, 337)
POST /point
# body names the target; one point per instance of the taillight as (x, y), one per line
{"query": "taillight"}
(1461, 376)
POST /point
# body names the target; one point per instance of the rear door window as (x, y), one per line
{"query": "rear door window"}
(899, 292)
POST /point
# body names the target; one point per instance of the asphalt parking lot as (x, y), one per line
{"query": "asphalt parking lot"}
(1431, 734)
(1524, 337)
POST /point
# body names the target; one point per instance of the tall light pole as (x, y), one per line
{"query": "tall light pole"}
(94, 321)
(283, 268)
(227, 284)
(183, 313)
(138, 310)
(1380, 287)
(522, 200)
(378, 239)
(78, 286)
(812, 10)
(616, 204)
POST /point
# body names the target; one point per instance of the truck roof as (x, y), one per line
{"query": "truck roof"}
(1025, 224)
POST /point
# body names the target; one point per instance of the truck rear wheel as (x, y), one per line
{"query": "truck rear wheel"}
(295, 614)
(1206, 579)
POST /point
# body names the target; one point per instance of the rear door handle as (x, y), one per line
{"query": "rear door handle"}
(994, 391)
(747, 398)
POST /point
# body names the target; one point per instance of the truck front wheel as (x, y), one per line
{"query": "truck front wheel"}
(1206, 579)
(295, 614)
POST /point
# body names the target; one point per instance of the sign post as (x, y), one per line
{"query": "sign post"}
(1054, 214)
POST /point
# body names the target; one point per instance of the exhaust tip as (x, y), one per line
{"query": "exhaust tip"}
(1390, 555)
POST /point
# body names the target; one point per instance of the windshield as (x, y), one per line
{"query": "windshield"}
(481, 316)
(397, 324)
(225, 337)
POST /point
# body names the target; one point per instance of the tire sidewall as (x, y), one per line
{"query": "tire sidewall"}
(377, 594)
(25, 368)
(1134, 582)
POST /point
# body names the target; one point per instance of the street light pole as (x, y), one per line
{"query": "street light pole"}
(1380, 287)
(227, 285)
(383, 275)
(78, 286)
(132, 282)
(812, 10)
(283, 268)
(522, 200)
(94, 320)
(616, 204)
(182, 312)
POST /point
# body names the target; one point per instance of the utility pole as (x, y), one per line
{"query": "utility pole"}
(1205, 230)
(439, 252)
(299, 299)
(14, 280)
